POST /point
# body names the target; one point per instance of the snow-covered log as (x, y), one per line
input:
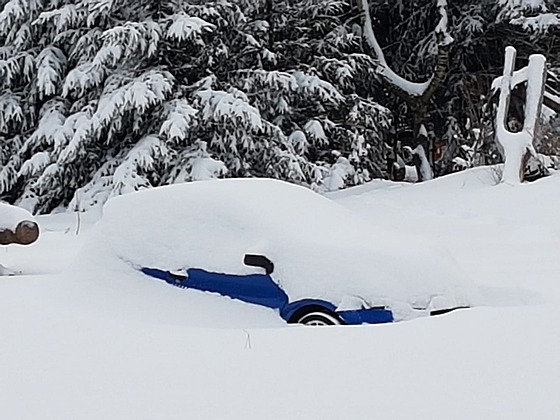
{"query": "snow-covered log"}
(17, 226)
(518, 146)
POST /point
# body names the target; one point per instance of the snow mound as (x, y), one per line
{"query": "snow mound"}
(11, 216)
(471, 179)
(319, 248)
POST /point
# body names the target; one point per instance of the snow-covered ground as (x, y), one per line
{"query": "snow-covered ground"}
(320, 249)
(80, 339)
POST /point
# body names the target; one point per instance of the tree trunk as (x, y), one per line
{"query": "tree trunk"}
(418, 103)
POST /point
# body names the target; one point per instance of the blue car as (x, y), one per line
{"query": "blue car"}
(260, 289)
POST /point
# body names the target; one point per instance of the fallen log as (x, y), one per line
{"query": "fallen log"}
(17, 226)
(25, 233)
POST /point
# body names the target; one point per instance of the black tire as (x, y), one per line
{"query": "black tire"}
(319, 318)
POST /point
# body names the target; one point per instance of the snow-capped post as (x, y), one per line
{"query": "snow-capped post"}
(417, 95)
(518, 146)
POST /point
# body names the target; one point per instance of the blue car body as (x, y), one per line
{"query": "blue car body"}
(260, 289)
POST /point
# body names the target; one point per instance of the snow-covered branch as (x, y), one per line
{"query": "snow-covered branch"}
(369, 34)
(414, 89)
(442, 29)
(417, 94)
(188, 27)
(410, 88)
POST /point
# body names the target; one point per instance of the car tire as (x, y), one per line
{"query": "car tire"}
(319, 318)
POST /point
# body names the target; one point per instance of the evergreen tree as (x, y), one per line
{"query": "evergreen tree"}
(459, 120)
(105, 97)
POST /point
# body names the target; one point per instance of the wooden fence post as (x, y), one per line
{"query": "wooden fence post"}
(518, 146)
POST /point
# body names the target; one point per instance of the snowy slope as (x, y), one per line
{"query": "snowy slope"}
(496, 232)
(77, 346)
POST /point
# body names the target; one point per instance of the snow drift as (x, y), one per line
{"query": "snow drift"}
(319, 248)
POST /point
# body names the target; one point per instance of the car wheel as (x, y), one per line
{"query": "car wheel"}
(319, 318)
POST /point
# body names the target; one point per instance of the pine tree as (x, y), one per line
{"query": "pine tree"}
(101, 98)
(460, 116)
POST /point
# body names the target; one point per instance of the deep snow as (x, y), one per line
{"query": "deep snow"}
(75, 344)
(320, 249)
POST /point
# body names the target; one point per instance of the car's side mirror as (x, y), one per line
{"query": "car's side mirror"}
(254, 260)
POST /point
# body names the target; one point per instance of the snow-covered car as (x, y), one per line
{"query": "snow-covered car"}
(261, 289)
(283, 246)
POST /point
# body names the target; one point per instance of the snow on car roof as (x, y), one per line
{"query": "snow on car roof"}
(319, 248)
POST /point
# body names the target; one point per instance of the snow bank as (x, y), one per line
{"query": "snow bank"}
(320, 249)
(150, 351)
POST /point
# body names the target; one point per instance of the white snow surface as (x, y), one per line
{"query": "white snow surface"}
(320, 249)
(10, 216)
(93, 339)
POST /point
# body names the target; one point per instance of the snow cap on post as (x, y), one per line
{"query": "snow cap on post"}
(518, 145)
(536, 79)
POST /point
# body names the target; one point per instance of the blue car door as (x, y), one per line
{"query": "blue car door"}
(259, 289)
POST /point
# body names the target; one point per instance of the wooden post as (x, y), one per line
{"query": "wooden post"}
(518, 146)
